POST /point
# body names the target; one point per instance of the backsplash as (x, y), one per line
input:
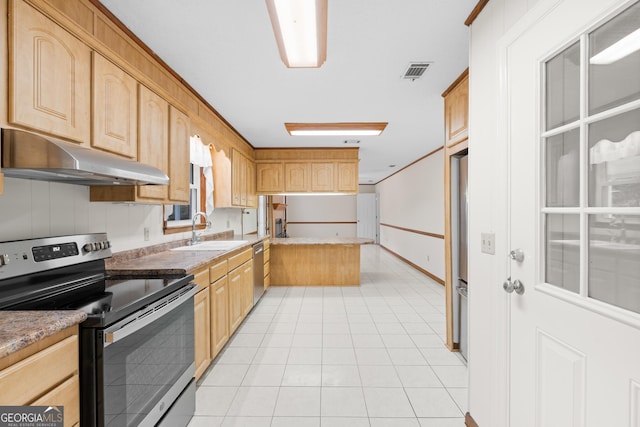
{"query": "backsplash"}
(30, 209)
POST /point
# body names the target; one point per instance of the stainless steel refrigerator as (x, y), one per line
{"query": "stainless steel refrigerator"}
(462, 287)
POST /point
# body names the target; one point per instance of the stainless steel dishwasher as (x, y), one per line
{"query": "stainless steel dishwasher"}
(258, 271)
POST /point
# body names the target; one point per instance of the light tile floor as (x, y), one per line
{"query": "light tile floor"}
(340, 356)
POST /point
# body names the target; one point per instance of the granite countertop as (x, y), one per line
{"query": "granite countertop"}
(321, 241)
(172, 262)
(18, 329)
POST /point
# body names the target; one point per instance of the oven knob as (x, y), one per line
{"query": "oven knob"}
(107, 244)
(87, 247)
(100, 245)
(4, 259)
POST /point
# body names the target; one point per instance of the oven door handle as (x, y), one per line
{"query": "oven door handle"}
(148, 315)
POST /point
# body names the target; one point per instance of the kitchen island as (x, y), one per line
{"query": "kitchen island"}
(312, 261)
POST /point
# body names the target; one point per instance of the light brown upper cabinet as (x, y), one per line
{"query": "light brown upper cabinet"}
(179, 163)
(153, 141)
(297, 177)
(317, 170)
(238, 179)
(269, 178)
(252, 197)
(242, 180)
(347, 177)
(115, 109)
(323, 177)
(456, 110)
(49, 76)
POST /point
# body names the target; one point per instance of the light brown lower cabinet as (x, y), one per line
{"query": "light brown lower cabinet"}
(235, 299)
(219, 292)
(44, 373)
(247, 287)
(220, 306)
(201, 317)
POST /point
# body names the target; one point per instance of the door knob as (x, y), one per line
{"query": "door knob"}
(510, 286)
(517, 255)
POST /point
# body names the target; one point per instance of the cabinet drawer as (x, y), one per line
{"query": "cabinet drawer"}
(217, 270)
(201, 278)
(28, 379)
(266, 244)
(267, 281)
(237, 260)
(66, 394)
(267, 268)
(267, 255)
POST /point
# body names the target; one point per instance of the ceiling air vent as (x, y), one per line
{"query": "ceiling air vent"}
(415, 70)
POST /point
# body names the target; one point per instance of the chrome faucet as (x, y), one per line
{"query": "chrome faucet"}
(194, 237)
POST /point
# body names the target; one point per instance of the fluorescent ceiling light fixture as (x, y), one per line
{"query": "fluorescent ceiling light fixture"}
(300, 27)
(335, 129)
(623, 47)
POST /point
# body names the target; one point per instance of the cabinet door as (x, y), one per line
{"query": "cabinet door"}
(235, 299)
(238, 179)
(296, 177)
(201, 317)
(179, 133)
(49, 76)
(322, 177)
(347, 177)
(115, 109)
(456, 113)
(247, 287)
(269, 178)
(153, 140)
(252, 198)
(219, 315)
(67, 395)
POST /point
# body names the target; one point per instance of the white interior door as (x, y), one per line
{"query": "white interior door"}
(367, 216)
(572, 130)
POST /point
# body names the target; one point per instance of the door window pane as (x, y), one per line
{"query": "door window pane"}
(563, 87)
(614, 61)
(563, 169)
(614, 161)
(563, 251)
(614, 260)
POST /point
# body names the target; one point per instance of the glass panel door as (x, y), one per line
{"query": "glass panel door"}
(591, 164)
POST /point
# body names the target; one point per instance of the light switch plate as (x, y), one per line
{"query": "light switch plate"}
(488, 243)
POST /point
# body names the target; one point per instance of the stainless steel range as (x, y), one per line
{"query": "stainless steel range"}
(137, 344)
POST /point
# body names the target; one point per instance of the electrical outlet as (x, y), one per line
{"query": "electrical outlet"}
(428, 258)
(488, 244)
(228, 223)
(146, 234)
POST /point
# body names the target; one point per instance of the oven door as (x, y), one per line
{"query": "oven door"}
(140, 365)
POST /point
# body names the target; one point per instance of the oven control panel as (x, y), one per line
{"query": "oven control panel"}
(44, 253)
(28, 256)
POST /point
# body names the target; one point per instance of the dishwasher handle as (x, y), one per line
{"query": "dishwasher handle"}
(148, 315)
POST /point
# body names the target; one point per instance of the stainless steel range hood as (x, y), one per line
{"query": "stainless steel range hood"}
(31, 156)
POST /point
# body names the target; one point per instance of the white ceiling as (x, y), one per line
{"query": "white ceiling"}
(226, 50)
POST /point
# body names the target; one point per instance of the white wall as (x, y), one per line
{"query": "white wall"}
(328, 210)
(487, 213)
(414, 199)
(30, 209)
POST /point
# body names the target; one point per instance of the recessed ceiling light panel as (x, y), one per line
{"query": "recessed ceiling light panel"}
(336, 129)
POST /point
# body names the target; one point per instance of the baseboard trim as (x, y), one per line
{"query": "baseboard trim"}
(469, 421)
(420, 269)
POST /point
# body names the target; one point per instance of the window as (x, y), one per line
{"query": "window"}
(178, 218)
(591, 164)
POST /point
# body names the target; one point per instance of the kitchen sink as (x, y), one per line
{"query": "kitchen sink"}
(213, 245)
